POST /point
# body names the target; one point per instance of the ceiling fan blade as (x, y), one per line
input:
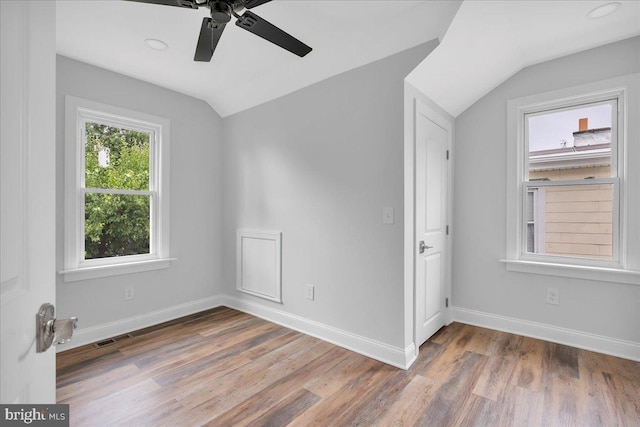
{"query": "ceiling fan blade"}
(260, 27)
(250, 4)
(210, 34)
(191, 4)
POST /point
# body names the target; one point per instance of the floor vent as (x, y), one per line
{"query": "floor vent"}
(105, 342)
(110, 341)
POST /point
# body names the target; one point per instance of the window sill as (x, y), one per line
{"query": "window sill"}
(96, 272)
(601, 274)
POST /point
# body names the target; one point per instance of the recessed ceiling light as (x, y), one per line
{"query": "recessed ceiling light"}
(156, 44)
(604, 10)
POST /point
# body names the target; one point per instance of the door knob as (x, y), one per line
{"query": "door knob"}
(424, 247)
(50, 329)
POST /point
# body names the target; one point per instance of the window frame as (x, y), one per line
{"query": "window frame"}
(78, 112)
(615, 98)
(517, 148)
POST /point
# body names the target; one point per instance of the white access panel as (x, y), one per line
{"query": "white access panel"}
(259, 264)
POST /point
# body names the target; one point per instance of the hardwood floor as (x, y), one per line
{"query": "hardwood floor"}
(224, 368)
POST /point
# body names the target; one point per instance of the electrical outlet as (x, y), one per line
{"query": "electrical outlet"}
(553, 296)
(129, 294)
(310, 292)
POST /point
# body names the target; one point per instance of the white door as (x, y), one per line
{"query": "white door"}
(432, 143)
(27, 196)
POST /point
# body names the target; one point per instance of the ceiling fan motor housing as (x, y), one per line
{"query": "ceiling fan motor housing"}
(221, 12)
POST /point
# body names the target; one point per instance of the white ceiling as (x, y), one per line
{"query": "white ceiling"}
(486, 42)
(245, 70)
(489, 41)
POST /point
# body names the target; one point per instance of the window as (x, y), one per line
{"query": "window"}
(118, 190)
(568, 195)
(117, 193)
(571, 182)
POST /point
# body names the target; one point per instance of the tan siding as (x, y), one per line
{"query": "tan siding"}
(606, 251)
(577, 217)
(592, 239)
(566, 194)
(572, 249)
(579, 221)
(580, 207)
(579, 228)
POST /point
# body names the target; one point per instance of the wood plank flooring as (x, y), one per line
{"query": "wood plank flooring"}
(226, 368)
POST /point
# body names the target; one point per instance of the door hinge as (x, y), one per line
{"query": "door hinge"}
(447, 230)
(446, 302)
(447, 154)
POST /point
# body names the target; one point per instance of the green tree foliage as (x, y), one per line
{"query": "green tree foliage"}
(116, 224)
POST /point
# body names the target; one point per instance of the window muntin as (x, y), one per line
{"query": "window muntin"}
(570, 183)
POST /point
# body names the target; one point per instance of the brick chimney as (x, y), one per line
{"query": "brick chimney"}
(583, 124)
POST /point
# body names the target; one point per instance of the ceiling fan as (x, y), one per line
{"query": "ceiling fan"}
(221, 12)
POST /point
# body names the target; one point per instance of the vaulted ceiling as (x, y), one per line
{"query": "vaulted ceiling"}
(245, 70)
(484, 42)
(489, 41)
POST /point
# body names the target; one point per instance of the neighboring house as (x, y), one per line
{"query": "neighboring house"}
(571, 220)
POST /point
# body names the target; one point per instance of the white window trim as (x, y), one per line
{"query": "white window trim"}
(514, 260)
(78, 111)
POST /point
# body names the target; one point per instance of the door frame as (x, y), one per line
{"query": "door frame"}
(415, 101)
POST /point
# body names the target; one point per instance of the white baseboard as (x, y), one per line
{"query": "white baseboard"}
(96, 333)
(395, 356)
(620, 348)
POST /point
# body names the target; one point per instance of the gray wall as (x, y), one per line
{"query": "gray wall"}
(480, 282)
(196, 194)
(319, 165)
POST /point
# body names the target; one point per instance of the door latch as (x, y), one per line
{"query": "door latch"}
(424, 247)
(50, 329)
